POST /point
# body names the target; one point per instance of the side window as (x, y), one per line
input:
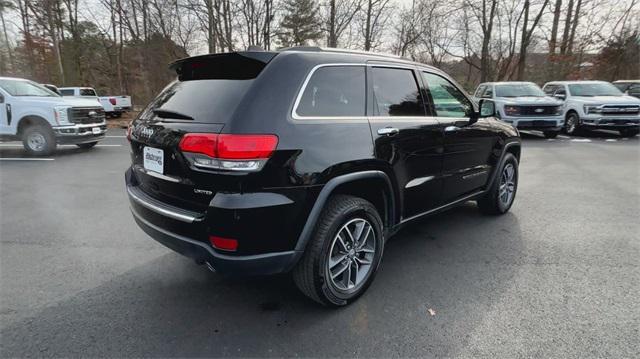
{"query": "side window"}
(549, 89)
(448, 100)
(560, 91)
(479, 91)
(334, 91)
(396, 93)
(488, 93)
(66, 92)
(634, 90)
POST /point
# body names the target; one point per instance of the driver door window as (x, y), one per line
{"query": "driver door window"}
(447, 100)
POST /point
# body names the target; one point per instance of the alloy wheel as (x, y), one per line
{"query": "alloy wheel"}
(507, 185)
(351, 255)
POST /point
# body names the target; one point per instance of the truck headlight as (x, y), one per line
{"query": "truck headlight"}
(511, 110)
(557, 110)
(61, 114)
(592, 109)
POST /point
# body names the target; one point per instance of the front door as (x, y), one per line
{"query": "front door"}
(466, 165)
(405, 136)
(4, 115)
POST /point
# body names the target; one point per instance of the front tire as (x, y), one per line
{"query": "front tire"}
(629, 132)
(500, 197)
(342, 257)
(39, 140)
(87, 145)
(572, 124)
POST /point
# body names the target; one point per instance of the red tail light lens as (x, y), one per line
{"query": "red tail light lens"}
(112, 100)
(129, 129)
(205, 143)
(237, 147)
(225, 244)
(228, 152)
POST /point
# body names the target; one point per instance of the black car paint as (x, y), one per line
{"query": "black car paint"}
(272, 213)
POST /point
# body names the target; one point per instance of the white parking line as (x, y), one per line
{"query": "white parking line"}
(114, 136)
(563, 136)
(26, 159)
(611, 140)
(580, 140)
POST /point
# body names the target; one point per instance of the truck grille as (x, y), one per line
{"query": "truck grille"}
(538, 110)
(621, 110)
(86, 115)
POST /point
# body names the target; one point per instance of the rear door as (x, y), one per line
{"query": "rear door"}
(203, 100)
(406, 136)
(467, 147)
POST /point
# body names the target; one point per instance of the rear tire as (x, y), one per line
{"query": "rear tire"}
(500, 197)
(39, 140)
(629, 133)
(87, 145)
(336, 269)
(550, 134)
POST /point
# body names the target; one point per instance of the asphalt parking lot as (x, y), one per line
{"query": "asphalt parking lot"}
(558, 276)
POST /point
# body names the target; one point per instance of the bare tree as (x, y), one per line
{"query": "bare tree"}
(339, 16)
(376, 16)
(527, 32)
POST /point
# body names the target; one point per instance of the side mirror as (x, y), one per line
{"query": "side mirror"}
(487, 108)
(560, 96)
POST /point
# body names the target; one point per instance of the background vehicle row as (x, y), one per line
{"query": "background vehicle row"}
(41, 119)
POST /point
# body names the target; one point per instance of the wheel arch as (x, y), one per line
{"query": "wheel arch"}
(514, 148)
(373, 186)
(30, 120)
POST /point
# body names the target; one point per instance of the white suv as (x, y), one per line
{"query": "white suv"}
(524, 105)
(596, 105)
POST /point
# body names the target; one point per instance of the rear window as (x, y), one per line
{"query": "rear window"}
(334, 91)
(87, 92)
(209, 88)
(396, 93)
(210, 101)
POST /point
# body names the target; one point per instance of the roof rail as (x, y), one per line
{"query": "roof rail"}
(337, 50)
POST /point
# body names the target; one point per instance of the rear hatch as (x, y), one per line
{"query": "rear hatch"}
(180, 169)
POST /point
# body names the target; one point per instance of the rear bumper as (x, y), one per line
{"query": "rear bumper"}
(264, 224)
(261, 264)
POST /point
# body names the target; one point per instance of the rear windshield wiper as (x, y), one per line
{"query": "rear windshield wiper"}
(171, 114)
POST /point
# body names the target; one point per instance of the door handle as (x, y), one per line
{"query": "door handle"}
(451, 128)
(389, 131)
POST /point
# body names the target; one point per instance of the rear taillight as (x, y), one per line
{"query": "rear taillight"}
(226, 244)
(228, 152)
(112, 100)
(129, 129)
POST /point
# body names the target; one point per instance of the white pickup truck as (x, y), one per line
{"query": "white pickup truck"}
(596, 105)
(113, 106)
(41, 119)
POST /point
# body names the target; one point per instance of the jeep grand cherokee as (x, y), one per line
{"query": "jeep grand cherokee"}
(307, 160)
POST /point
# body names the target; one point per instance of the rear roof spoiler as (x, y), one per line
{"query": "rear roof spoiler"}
(230, 65)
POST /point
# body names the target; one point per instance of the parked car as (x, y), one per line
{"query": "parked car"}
(629, 87)
(113, 106)
(53, 88)
(41, 119)
(596, 105)
(524, 105)
(269, 162)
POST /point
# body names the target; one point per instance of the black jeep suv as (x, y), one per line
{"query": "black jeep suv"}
(307, 160)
